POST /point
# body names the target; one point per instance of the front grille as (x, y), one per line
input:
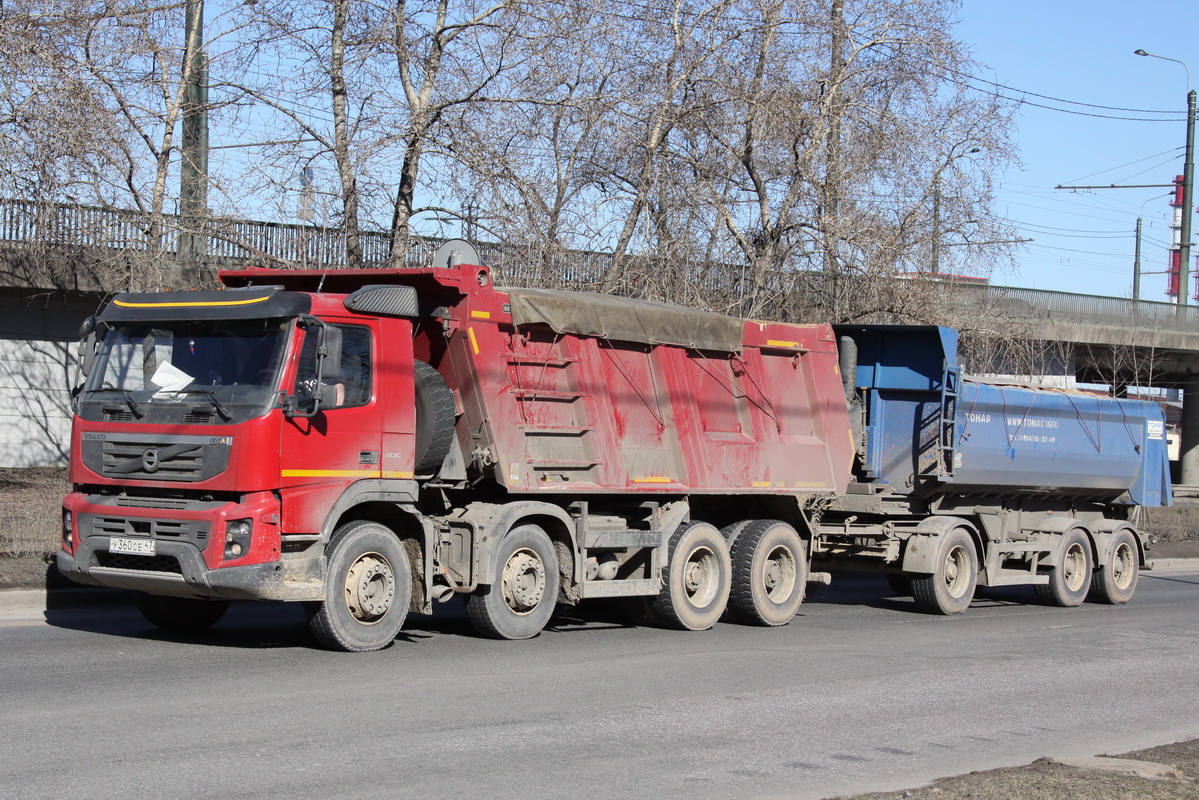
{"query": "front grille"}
(198, 418)
(108, 560)
(177, 529)
(129, 501)
(156, 458)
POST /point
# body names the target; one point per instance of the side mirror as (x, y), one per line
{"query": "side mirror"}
(315, 394)
(89, 344)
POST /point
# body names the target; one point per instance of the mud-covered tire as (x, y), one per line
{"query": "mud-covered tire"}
(368, 588)
(180, 614)
(1070, 577)
(950, 589)
(434, 418)
(695, 581)
(1115, 581)
(770, 573)
(730, 533)
(524, 590)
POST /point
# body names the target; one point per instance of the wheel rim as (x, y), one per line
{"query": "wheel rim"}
(957, 571)
(701, 578)
(370, 588)
(778, 574)
(1123, 566)
(524, 581)
(1074, 567)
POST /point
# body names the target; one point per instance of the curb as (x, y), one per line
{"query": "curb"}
(38, 601)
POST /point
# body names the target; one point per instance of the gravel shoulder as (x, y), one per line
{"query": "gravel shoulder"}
(1047, 779)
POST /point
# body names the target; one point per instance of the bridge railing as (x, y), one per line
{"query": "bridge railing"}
(229, 241)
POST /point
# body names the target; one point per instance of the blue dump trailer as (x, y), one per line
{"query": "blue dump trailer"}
(960, 483)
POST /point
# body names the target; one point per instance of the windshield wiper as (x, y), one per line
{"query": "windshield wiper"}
(216, 401)
(125, 394)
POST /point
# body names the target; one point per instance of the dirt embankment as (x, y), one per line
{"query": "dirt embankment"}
(30, 524)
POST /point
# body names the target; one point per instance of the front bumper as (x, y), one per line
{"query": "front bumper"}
(189, 550)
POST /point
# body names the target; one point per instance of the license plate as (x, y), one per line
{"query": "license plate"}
(133, 547)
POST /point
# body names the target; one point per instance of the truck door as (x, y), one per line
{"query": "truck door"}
(321, 455)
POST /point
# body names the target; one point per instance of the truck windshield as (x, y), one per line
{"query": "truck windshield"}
(229, 366)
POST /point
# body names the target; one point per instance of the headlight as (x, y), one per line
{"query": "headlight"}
(68, 531)
(237, 538)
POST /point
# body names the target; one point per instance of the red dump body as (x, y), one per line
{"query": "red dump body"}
(578, 393)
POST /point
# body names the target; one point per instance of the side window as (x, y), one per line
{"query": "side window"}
(354, 382)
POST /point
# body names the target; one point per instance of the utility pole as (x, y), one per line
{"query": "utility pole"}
(193, 166)
(832, 167)
(1188, 190)
(1136, 266)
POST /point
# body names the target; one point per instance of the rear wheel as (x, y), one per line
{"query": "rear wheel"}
(368, 585)
(950, 589)
(1116, 579)
(180, 614)
(521, 598)
(1070, 577)
(695, 581)
(770, 573)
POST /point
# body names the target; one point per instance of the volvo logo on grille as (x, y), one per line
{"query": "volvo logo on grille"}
(150, 460)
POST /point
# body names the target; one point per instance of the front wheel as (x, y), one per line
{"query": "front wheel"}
(696, 579)
(180, 614)
(368, 586)
(1070, 577)
(521, 598)
(950, 589)
(1116, 579)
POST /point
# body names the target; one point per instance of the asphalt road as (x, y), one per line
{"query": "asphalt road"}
(858, 693)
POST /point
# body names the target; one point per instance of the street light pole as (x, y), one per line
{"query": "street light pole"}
(1188, 188)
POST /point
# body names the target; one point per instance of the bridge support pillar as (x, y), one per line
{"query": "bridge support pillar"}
(1188, 452)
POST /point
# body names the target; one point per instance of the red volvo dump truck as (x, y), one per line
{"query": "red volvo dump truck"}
(371, 442)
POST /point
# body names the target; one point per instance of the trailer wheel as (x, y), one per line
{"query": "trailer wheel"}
(950, 589)
(522, 595)
(368, 584)
(696, 579)
(181, 614)
(1070, 577)
(770, 572)
(1116, 579)
(434, 418)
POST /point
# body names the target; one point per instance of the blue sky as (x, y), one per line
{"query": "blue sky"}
(1083, 52)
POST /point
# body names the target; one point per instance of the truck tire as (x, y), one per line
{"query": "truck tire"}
(524, 591)
(1070, 576)
(1116, 579)
(950, 589)
(435, 411)
(695, 580)
(730, 533)
(368, 586)
(770, 573)
(180, 614)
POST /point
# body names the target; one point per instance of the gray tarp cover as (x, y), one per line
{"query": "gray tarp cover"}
(624, 319)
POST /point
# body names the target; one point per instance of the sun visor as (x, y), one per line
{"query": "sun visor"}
(259, 303)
